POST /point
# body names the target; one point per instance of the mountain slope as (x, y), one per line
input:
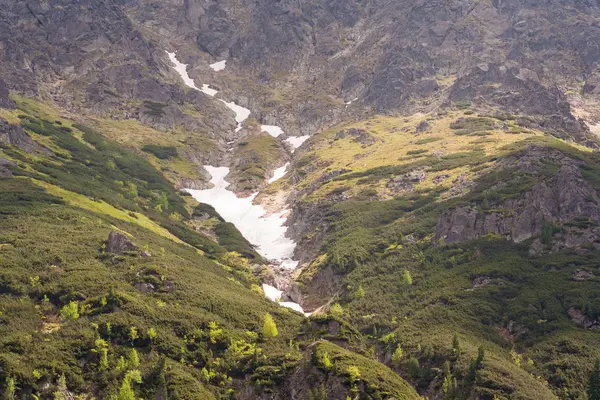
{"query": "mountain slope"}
(435, 164)
(108, 274)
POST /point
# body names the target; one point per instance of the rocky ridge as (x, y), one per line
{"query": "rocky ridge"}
(563, 199)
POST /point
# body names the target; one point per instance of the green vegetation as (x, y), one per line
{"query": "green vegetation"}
(593, 387)
(379, 380)
(77, 319)
(162, 152)
(258, 154)
(269, 327)
(421, 293)
(90, 303)
(185, 317)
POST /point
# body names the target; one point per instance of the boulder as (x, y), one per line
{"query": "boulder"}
(358, 135)
(405, 182)
(423, 127)
(144, 287)
(119, 243)
(582, 275)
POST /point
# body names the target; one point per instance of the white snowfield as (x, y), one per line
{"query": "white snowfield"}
(189, 82)
(241, 113)
(279, 173)
(275, 294)
(218, 66)
(272, 130)
(296, 141)
(208, 90)
(267, 232)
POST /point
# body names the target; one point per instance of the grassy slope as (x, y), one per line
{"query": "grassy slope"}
(196, 330)
(365, 244)
(52, 255)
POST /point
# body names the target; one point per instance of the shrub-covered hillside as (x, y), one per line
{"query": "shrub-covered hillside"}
(446, 238)
(114, 285)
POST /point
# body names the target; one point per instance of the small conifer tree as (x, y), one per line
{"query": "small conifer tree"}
(397, 356)
(269, 327)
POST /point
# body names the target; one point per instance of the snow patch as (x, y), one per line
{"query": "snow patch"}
(272, 130)
(181, 69)
(296, 141)
(241, 113)
(294, 306)
(218, 66)
(265, 231)
(271, 292)
(208, 90)
(274, 294)
(279, 173)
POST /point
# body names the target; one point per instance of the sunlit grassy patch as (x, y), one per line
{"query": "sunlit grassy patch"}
(99, 206)
(396, 143)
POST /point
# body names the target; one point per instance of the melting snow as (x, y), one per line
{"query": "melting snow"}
(272, 130)
(182, 71)
(296, 141)
(241, 113)
(279, 173)
(208, 90)
(271, 292)
(274, 294)
(219, 66)
(266, 232)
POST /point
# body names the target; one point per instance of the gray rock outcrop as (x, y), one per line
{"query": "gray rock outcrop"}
(563, 198)
(5, 165)
(119, 243)
(16, 136)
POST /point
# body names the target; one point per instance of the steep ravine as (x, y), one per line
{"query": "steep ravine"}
(266, 230)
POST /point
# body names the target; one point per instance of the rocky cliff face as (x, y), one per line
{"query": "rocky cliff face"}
(297, 62)
(89, 58)
(563, 203)
(402, 55)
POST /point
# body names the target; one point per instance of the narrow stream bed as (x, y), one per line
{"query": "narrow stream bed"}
(265, 231)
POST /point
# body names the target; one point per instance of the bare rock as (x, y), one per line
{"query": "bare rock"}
(5, 171)
(5, 101)
(440, 178)
(582, 320)
(168, 286)
(483, 281)
(119, 243)
(145, 287)
(582, 275)
(560, 198)
(358, 135)
(515, 329)
(423, 127)
(537, 247)
(194, 184)
(405, 182)
(145, 253)
(15, 135)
